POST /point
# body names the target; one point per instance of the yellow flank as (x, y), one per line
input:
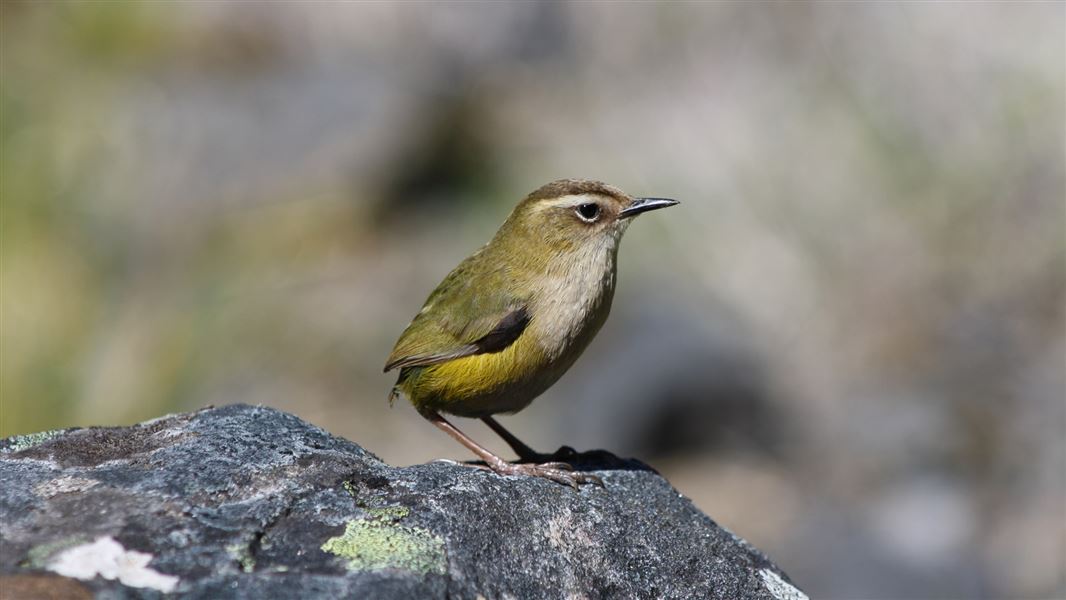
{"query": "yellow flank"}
(482, 384)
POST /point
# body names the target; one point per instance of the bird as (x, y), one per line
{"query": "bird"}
(514, 316)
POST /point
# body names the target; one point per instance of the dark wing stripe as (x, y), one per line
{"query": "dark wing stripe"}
(505, 332)
(502, 335)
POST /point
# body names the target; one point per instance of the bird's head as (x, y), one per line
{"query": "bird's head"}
(578, 214)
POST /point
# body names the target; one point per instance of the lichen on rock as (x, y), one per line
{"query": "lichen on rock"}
(108, 559)
(378, 543)
(18, 443)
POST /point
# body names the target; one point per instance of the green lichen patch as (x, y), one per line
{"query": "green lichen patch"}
(379, 542)
(18, 443)
(391, 514)
(350, 488)
(242, 553)
(39, 555)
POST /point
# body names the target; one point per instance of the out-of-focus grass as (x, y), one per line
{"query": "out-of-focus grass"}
(59, 62)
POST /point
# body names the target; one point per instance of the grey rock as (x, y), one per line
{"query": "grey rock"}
(250, 502)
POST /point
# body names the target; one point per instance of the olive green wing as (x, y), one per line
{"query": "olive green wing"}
(464, 316)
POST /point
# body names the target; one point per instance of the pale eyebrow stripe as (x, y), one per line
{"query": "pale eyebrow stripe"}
(566, 201)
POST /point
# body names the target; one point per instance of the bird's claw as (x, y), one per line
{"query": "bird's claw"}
(555, 471)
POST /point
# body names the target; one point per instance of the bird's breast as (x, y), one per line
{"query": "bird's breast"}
(572, 305)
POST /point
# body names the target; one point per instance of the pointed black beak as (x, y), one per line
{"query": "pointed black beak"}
(640, 205)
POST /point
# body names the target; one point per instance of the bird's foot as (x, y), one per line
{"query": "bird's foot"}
(559, 472)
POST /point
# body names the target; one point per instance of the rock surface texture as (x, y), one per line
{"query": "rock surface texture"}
(250, 502)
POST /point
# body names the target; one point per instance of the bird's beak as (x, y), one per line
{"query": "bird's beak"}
(640, 205)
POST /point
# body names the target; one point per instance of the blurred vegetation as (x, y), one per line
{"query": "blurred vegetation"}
(851, 335)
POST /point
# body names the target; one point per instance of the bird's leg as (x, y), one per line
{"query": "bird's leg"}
(524, 452)
(559, 472)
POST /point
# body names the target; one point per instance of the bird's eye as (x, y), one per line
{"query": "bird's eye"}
(588, 212)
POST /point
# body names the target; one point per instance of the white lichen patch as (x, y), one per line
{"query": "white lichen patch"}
(108, 559)
(779, 588)
(63, 485)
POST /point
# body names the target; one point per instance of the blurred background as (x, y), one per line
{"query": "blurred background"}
(851, 333)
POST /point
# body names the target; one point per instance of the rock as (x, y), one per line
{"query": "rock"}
(250, 502)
